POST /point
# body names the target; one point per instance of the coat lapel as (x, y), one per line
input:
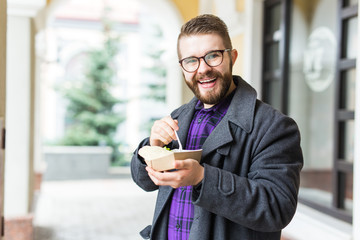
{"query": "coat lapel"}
(241, 113)
(220, 136)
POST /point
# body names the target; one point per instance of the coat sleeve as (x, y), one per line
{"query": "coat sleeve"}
(138, 172)
(265, 200)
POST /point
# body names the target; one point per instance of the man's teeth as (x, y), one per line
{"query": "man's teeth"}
(206, 81)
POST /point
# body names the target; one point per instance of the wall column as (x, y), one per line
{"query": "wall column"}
(18, 107)
(20, 95)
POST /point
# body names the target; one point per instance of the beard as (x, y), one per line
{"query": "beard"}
(212, 96)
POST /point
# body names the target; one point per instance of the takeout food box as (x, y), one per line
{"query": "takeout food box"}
(160, 159)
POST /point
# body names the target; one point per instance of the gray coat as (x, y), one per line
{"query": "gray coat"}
(252, 162)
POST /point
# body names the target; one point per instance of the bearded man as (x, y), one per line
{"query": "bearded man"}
(246, 184)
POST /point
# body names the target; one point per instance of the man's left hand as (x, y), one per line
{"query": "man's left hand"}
(188, 172)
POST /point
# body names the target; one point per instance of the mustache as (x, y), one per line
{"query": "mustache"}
(212, 74)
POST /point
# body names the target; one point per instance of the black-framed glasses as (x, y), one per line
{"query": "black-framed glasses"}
(212, 59)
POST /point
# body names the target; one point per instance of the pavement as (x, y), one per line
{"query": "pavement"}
(98, 209)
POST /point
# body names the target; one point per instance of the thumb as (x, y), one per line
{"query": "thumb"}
(183, 164)
(179, 164)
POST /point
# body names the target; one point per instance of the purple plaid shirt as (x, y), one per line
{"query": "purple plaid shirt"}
(182, 210)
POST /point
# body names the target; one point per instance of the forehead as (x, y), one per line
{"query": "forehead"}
(200, 44)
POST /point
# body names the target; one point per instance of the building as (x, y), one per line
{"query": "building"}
(301, 56)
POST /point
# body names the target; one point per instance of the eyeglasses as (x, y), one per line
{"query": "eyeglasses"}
(212, 59)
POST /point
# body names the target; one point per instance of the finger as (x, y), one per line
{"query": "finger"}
(149, 170)
(172, 123)
(159, 140)
(151, 175)
(163, 178)
(155, 181)
(172, 126)
(167, 132)
(160, 132)
(155, 174)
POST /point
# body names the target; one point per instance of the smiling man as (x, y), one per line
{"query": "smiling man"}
(246, 184)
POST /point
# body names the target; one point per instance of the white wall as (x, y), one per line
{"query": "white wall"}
(253, 43)
(170, 21)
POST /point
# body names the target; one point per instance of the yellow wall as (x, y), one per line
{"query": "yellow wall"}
(240, 5)
(187, 8)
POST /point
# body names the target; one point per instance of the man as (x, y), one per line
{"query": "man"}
(246, 185)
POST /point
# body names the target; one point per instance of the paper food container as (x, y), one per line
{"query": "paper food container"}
(161, 159)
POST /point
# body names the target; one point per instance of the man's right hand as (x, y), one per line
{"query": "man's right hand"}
(163, 131)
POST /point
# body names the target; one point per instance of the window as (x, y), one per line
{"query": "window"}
(345, 108)
(275, 56)
(309, 73)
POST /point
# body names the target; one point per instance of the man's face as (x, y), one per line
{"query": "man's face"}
(209, 84)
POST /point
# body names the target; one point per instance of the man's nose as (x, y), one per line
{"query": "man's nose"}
(203, 66)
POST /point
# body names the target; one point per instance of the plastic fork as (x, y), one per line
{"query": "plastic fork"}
(180, 146)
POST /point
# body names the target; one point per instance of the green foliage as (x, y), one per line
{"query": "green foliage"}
(91, 119)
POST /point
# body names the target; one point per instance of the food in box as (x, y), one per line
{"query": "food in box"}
(160, 159)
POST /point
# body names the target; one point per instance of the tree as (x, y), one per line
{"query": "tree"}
(91, 119)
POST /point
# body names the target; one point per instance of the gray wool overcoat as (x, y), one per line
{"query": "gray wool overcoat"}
(252, 162)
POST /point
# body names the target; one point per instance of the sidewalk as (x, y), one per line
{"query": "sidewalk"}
(106, 209)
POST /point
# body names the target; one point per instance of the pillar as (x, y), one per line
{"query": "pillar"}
(20, 113)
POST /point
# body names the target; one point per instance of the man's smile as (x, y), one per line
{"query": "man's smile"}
(207, 80)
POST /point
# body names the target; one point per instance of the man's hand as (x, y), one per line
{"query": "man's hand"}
(163, 131)
(189, 172)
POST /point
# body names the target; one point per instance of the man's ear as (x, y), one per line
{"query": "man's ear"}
(234, 55)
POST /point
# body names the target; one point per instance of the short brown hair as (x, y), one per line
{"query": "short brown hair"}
(206, 24)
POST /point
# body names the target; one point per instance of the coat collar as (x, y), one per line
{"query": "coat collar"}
(242, 108)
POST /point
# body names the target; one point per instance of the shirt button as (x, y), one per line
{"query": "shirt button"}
(178, 226)
(199, 120)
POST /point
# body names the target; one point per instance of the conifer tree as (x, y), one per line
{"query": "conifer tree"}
(91, 119)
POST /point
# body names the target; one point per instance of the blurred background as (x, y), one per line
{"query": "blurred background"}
(81, 83)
